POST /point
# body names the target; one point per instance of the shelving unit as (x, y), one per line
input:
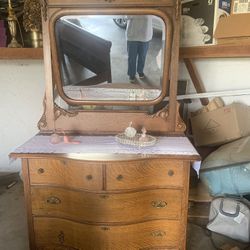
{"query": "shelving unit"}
(21, 53)
(187, 54)
(216, 51)
(212, 51)
(199, 204)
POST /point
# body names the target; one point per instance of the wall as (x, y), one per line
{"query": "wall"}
(221, 75)
(22, 90)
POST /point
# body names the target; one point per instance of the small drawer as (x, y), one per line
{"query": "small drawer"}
(107, 208)
(160, 234)
(145, 173)
(66, 173)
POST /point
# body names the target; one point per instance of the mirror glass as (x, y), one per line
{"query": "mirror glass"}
(111, 57)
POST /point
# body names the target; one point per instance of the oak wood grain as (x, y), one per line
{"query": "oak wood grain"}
(67, 173)
(107, 208)
(145, 173)
(21, 53)
(58, 232)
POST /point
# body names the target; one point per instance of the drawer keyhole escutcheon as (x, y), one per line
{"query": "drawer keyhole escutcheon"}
(159, 204)
(40, 171)
(170, 172)
(104, 196)
(89, 177)
(158, 233)
(105, 228)
(61, 237)
(53, 200)
(119, 177)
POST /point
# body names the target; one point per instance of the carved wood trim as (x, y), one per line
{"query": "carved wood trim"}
(110, 122)
(42, 123)
(59, 111)
(177, 9)
(164, 114)
(44, 8)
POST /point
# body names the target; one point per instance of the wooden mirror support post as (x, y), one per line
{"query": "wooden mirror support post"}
(86, 190)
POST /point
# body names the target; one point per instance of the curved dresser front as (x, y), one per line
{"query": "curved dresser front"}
(116, 202)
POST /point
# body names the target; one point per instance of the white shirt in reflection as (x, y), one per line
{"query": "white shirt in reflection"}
(139, 28)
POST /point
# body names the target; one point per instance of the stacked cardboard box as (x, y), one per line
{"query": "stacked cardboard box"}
(240, 6)
(236, 27)
(221, 125)
(233, 29)
(199, 20)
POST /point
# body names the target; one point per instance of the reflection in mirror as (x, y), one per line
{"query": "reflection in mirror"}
(94, 55)
(65, 106)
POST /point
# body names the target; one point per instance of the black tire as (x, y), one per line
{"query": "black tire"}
(121, 22)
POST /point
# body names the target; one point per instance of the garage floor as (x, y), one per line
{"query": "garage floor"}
(14, 234)
(13, 227)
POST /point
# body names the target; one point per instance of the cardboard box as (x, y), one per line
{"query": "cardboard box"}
(197, 22)
(221, 125)
(199, 19)
(233, 29)
(225, 6)
(240, 6)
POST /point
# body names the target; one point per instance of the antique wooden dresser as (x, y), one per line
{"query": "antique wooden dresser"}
(84, 189)
(134, 200)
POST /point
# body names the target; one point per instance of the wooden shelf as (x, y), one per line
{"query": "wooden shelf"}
(216, 51)
(21, 53)
(199, 193)
(213, 51)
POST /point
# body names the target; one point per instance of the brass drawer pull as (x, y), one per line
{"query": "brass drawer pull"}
(119, 177)
(170, 172)
(158, 233)
(89, 177)
(53, 200)
(159, 204)
(40, 171)
(105, 228)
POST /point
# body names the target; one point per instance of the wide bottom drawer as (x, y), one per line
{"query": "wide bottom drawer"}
(53, 233)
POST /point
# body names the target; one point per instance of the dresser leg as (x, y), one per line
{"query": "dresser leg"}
(27, 195)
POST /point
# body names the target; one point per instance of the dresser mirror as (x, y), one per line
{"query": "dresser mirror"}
(88, 90)
(92, 57)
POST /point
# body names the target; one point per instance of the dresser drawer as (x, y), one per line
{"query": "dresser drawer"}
(124, 207)
(145, 173)
(67, 173)
(53, 232)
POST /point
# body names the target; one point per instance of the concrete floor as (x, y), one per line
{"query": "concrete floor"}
(13, 225)
(14, 232)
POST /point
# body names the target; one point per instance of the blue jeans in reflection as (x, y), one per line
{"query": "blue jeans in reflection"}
(137, 52)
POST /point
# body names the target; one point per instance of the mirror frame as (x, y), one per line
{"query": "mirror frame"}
(164, 121)
(117, 11)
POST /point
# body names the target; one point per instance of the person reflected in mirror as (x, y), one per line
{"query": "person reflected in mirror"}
(139, 32)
